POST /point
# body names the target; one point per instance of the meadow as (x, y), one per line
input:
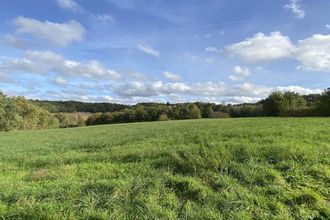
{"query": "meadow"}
(249, 168)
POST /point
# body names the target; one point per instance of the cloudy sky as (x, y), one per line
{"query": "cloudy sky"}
(131, 51)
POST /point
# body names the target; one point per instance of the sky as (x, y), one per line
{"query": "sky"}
(131, 51)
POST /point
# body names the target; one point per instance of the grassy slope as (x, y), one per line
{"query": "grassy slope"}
(210, 169)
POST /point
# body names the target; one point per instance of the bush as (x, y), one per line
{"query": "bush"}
(21, 114)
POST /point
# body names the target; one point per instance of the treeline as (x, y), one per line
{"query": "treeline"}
(17, 113)
(276, 104)
(21, 114)
(153, 112)
(74, 106)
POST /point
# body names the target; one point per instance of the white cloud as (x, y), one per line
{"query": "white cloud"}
(263, 48)
(138, 89)
(314, 53)
(327, 26)
(235, 78)
(201, 90)
(60, 81)
(242, 71)
(298, 89)
(45, 62)
(251, 90)
(206, 91)
(59, 33)
(212, 49)
(240, 99)
(148, 50)
(172, 76)
(69, 5)
(135, 75)
(295, 7)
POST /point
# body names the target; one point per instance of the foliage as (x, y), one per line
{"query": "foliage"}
(324, 104)
(8, 116)
(21, 114)
(74, 106)
(246, 110)
(279, 103)
(251, 168)
(152, 112)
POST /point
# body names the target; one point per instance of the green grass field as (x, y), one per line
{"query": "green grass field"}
(261, 168)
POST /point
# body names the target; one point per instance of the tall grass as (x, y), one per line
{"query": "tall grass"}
(263, 168)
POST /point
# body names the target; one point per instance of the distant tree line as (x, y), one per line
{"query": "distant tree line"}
(74, 106)
(276, 104)
(17, 113)
(150, 112)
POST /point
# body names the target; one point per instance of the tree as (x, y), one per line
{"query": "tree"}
(293, 101)
(273, 105)
(8, 113)
(194, 112)
(324, 104)
(19, 113)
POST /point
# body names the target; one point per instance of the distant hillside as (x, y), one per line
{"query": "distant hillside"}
(75, 106)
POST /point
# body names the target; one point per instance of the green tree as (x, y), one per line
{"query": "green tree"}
(323, 106)
(8, 113)
(194, 112)
(273, 104)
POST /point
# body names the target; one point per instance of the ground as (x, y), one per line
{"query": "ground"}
(251, 168)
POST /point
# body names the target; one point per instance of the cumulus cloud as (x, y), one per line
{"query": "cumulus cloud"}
(148, 50)
(240, 99)
(263, 48)
(172, 76)
(45, 62)
(296, 9)
(314, 53)
(241, 73)
(205, 91)
(298, 89)
(59, 33)
(69, 5)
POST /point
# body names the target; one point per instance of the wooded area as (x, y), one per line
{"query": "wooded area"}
(18, 113)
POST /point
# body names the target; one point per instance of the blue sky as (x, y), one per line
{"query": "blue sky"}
(131, 51)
